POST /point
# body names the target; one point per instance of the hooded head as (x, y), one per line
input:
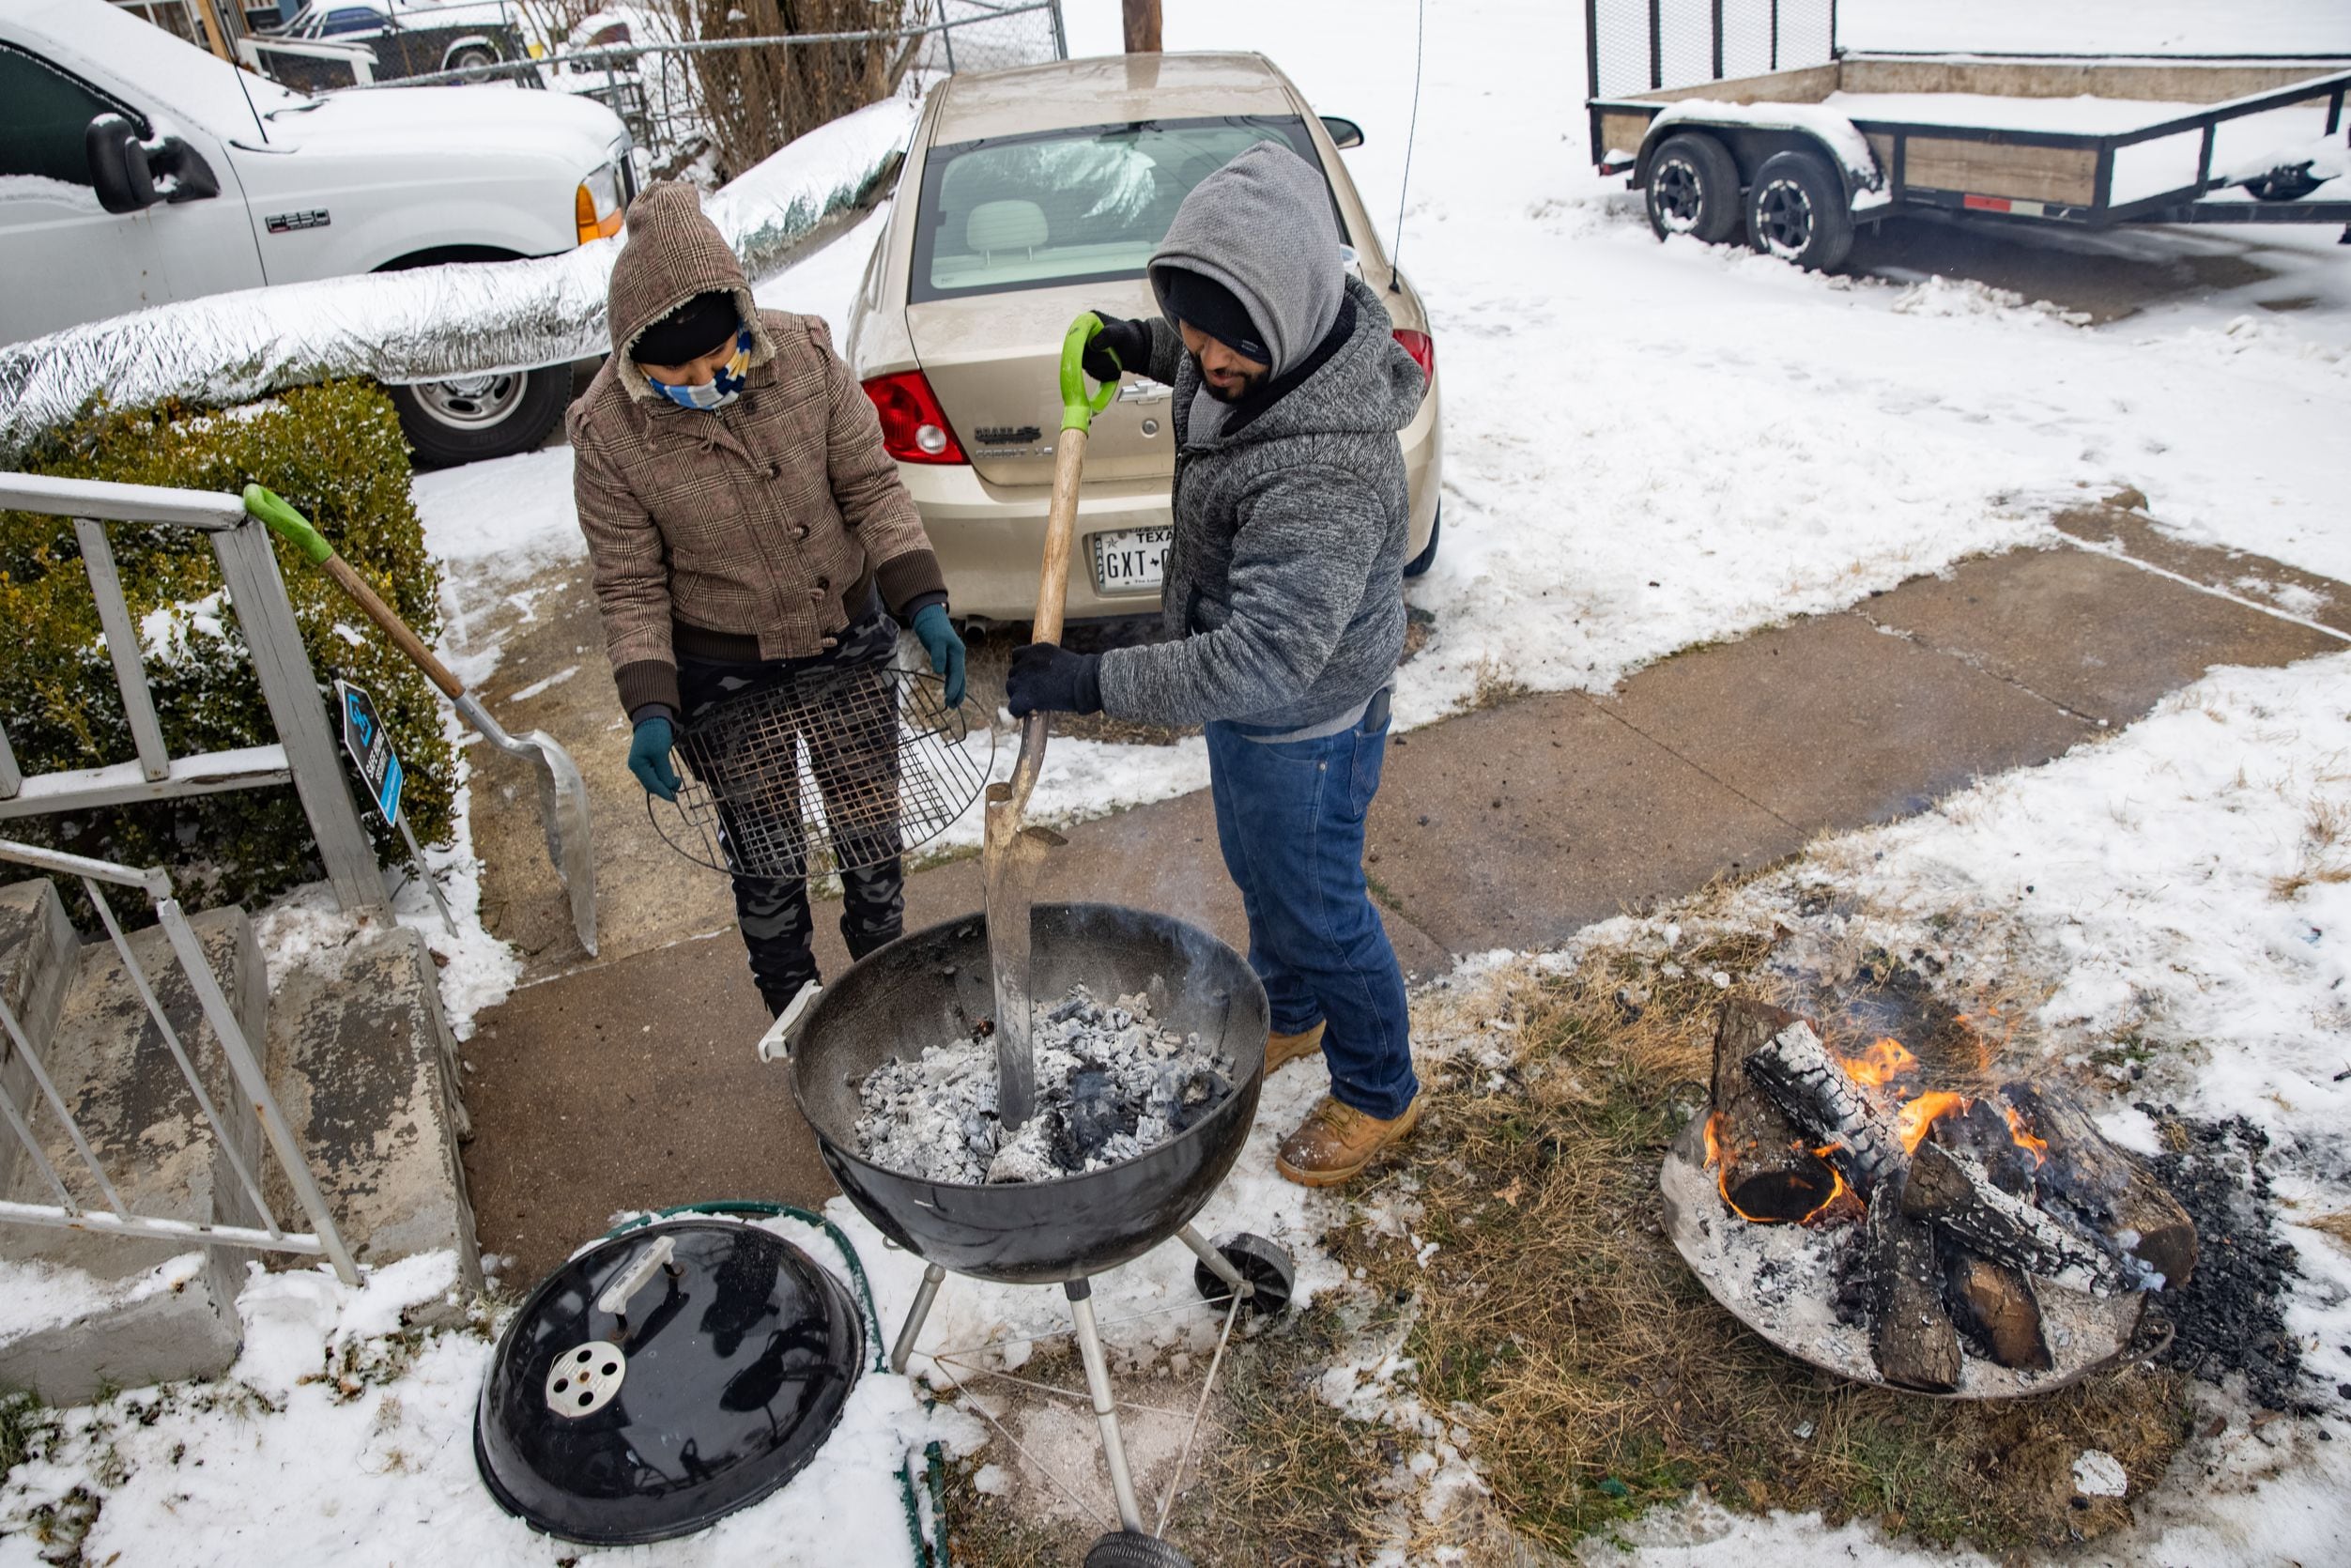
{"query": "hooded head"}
(1253, 253)
(673, 256)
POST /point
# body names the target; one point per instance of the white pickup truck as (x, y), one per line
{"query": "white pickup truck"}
(137, 169)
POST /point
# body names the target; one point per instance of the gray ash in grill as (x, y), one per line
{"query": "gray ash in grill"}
(1111, 1085)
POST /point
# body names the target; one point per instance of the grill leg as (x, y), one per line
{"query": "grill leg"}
(1122, 1485)
(903, 1351)
(1218, 1265)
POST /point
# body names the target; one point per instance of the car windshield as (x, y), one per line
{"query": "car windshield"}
(1032, 212)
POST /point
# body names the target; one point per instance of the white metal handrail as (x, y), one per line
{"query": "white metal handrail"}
(323, 1241)
(304, 753)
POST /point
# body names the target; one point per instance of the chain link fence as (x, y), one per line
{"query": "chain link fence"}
(1643, 46)
(706, 88)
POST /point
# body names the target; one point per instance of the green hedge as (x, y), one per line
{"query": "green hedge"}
(336, 453)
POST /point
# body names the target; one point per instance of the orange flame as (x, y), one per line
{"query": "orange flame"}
(2025, 1138)
(1715, 1157)
(1884, 1061)
(1915, 1115)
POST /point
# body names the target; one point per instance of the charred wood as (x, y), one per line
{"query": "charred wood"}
(1796, 1071)
(1768, 1167)
(1983, 1132)
(1953, 1191)
(1995, 1307)
(1911, 1336)
(2107, 1190)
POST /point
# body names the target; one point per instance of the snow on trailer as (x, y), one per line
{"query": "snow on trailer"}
(1749, 111)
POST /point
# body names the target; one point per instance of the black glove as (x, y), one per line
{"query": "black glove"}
(1048, 677)
(1124, 336)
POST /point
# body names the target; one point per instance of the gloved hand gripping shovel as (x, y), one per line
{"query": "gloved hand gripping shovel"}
(563, 794)
(1012, 852)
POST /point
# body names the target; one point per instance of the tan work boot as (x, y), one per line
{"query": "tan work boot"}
(1336, 1141)
(1282, 1050)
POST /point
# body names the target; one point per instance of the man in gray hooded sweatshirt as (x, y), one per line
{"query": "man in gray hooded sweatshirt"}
(1284, 589)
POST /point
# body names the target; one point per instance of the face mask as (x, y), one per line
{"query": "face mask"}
(719, 390)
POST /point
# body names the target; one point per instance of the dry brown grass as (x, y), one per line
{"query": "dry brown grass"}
(1605, 1378)
(2326, 851)
(2337, 1228)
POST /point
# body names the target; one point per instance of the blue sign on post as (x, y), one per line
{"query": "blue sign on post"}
(370, 745)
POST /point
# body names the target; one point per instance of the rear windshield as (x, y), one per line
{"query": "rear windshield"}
(1010, 212)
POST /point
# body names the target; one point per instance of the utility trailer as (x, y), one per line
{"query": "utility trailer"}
(1748, 112)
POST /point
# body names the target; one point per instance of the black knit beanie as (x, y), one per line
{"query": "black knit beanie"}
(703, 323)
(1207, 304)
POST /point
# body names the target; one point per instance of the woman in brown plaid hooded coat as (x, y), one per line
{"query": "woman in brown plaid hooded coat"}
(745, 527)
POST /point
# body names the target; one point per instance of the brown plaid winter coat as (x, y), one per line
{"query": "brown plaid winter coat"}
(754, 532)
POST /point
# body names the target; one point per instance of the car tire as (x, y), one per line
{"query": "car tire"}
(1797, 211)
(466, 59)
(2287, 183)
(478, 416)
(1692, 189)
(1420, 564)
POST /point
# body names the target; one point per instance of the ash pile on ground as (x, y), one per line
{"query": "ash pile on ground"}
(2230, 1317)
(1111, 1085)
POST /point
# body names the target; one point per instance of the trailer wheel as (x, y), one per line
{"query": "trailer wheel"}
(1797, 211)
(1692, 189)
(2287, 183)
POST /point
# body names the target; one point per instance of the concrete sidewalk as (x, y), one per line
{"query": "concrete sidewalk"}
(631, 1082)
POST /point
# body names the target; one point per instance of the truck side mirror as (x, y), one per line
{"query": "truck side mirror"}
(1344, 133)
(118, 165)
(191, 177)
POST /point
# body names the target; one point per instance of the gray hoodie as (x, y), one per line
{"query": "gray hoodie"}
(1284, 578)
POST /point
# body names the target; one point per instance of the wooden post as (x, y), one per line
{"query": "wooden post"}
(1142, 27)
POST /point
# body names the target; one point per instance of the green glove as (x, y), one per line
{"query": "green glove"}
(945, 648)
(648, 757)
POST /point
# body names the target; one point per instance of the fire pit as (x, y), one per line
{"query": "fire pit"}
(1978, 1246)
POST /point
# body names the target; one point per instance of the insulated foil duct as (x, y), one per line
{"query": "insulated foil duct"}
(429, 324)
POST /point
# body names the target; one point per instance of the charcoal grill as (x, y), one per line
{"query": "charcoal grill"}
(934, 985)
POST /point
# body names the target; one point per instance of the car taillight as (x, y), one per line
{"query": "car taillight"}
(914, 429)
(1422, 348)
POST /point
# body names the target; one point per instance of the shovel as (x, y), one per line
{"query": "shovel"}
(1011, 851)
(563, 794)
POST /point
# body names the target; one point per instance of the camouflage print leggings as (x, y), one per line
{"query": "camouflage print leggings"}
(773, 913)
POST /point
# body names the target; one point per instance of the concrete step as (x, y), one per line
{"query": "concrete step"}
(37, 953)
(137, 1311)
(362, 1063)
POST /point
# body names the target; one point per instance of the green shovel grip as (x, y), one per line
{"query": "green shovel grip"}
(1077, 409)
(276, 511)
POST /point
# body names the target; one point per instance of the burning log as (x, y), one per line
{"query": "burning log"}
(1766, 1166)
(2109, 1190)
(1796, 1071)
(1911, 1336)
(1995, 1307)
(1953, 1191)
(1984, 1130)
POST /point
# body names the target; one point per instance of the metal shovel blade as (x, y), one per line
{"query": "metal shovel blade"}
(1010, 863)
(571, 845)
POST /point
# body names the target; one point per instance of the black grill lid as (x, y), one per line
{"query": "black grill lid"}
(665, 1379)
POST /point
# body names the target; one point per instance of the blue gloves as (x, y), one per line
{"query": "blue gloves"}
(648, 757)
(943, 647)
(1048, 677)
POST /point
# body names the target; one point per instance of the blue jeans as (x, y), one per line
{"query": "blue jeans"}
(1289, 816)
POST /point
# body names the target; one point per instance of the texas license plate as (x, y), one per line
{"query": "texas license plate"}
(1129, 561)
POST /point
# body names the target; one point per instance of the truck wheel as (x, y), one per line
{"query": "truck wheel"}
(474, 417)
(469, 57)
(1692, 189)
(1797, 211)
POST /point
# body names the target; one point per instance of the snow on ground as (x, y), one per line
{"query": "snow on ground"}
(1651, 445)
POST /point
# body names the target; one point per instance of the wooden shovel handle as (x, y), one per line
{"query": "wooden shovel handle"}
(1052, 582)
(383, 615)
